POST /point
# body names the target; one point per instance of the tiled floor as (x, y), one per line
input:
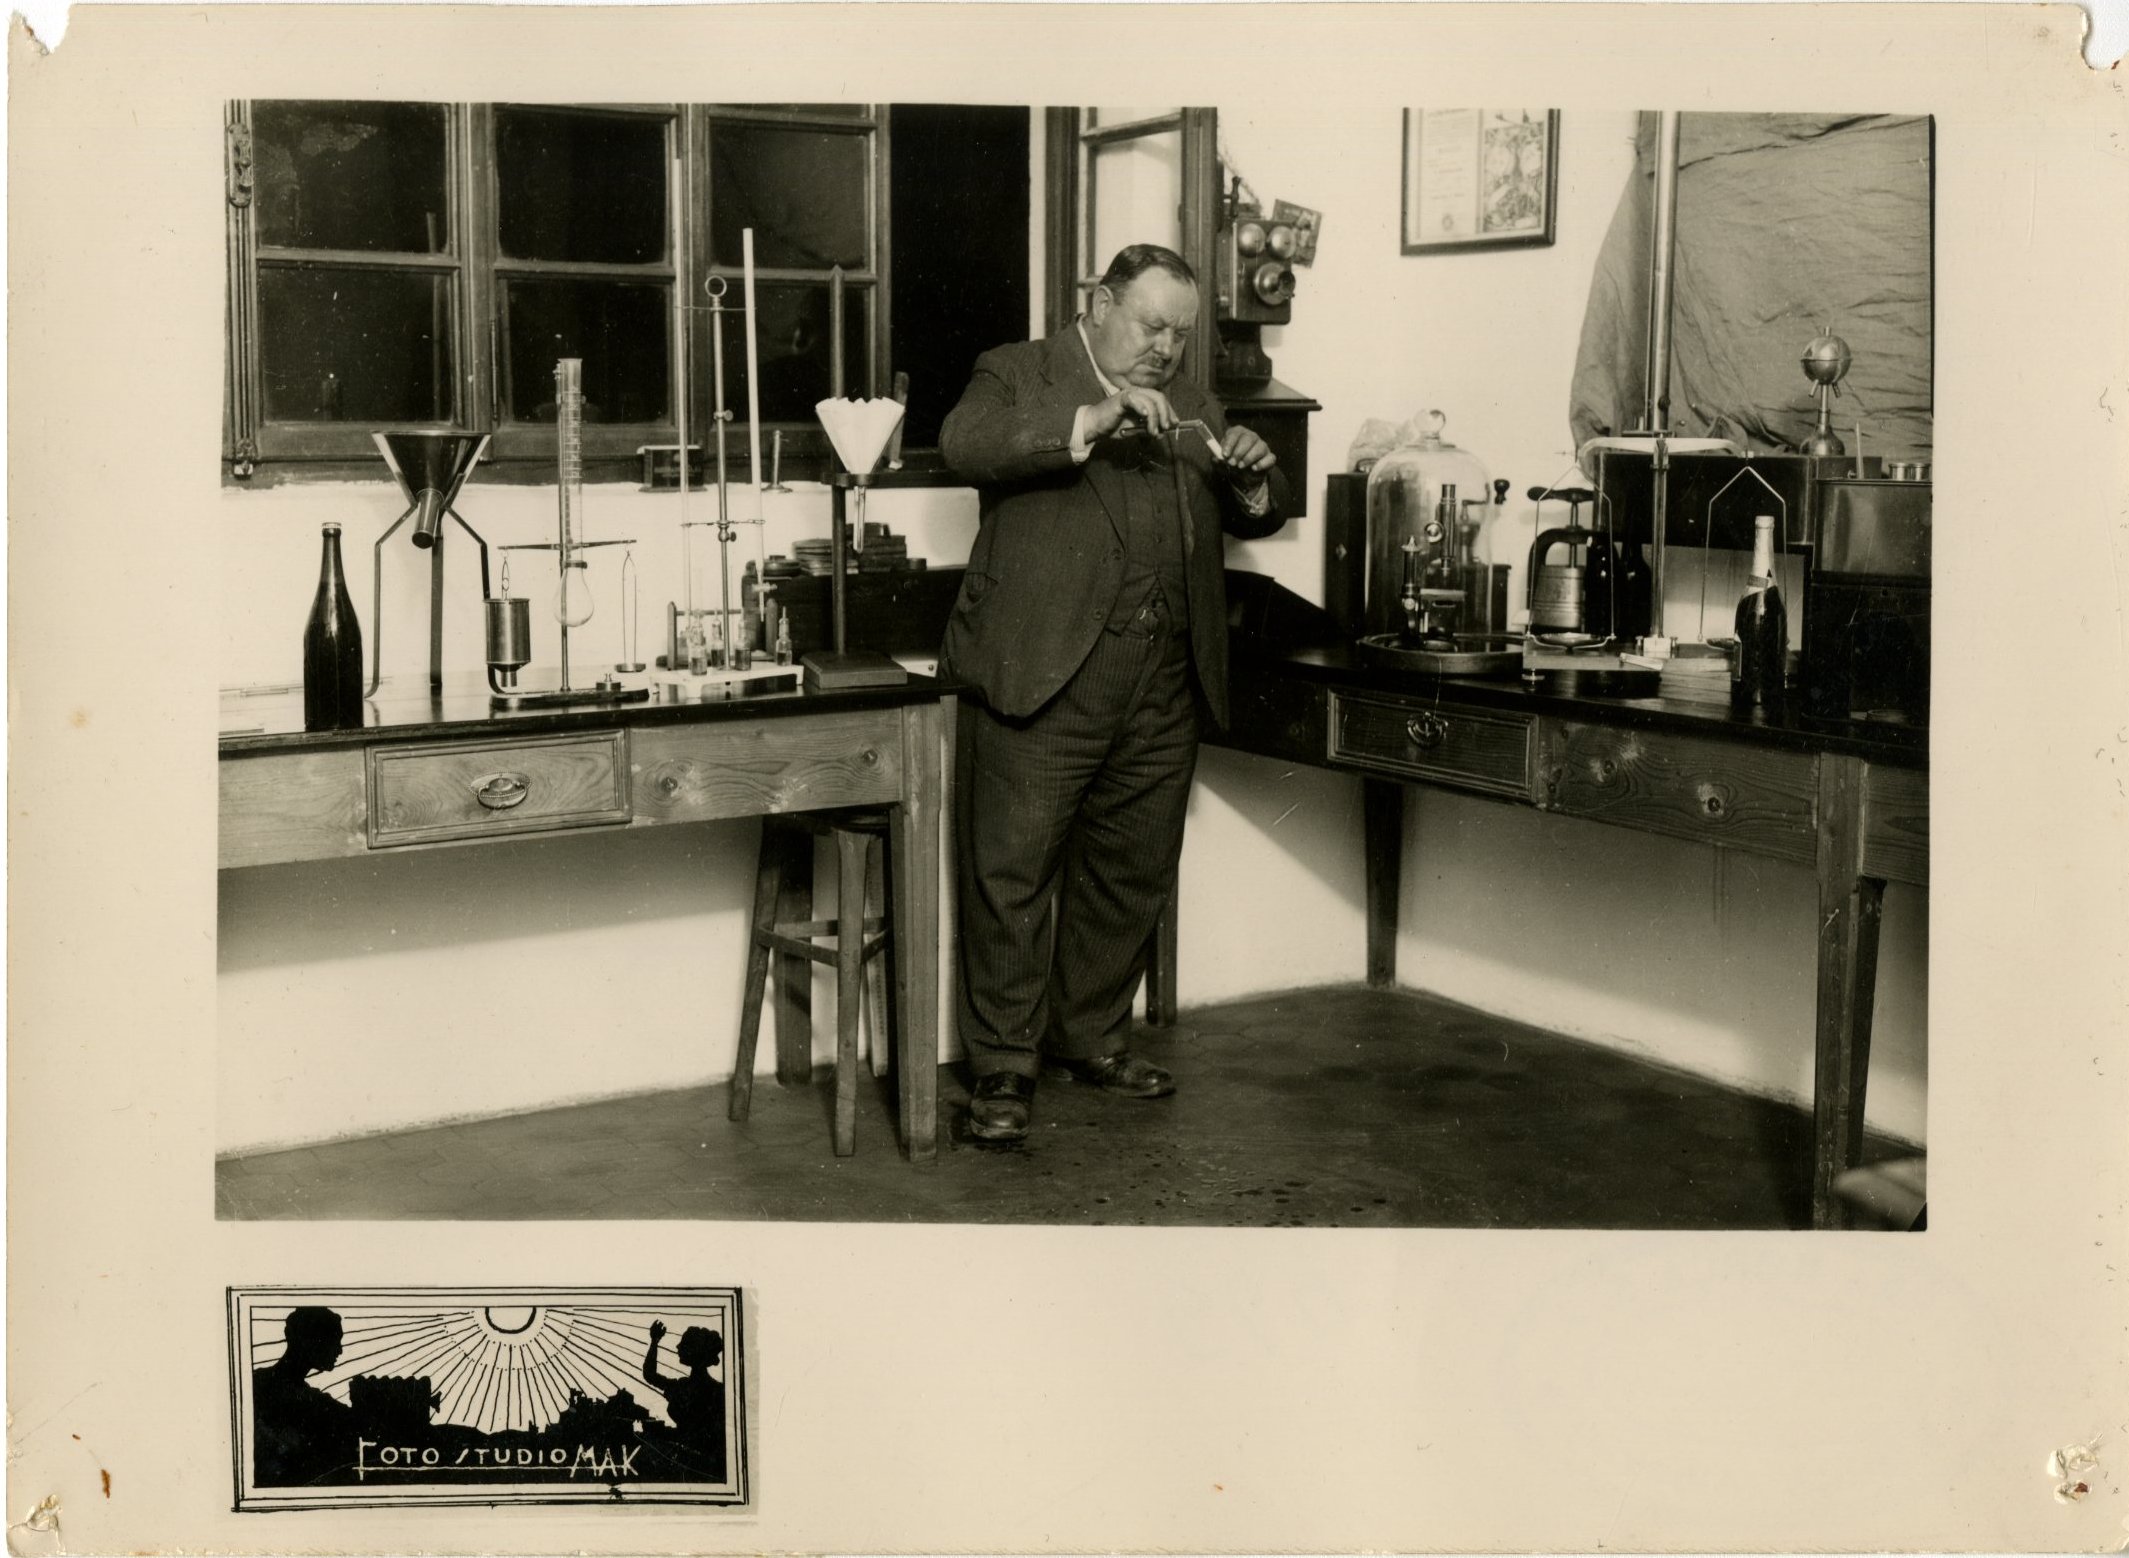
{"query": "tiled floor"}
(1338, 1106)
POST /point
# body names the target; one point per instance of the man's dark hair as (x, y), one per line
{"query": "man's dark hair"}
(1133, 262)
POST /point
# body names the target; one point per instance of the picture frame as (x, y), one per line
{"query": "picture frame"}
(1479, 178)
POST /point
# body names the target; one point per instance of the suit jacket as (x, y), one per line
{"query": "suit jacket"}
(1049, 552)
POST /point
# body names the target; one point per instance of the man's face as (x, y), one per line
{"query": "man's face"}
(1138, 334)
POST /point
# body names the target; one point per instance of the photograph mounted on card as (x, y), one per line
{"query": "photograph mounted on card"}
(1480, 178)
(361, 1397)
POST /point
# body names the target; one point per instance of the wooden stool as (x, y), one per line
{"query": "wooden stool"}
(861, 971)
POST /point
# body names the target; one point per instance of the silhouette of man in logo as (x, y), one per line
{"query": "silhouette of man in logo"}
(300, 1436)
(695, 1401)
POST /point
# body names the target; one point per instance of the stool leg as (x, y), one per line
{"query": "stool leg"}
(794, 974)
(849, 989)
(768, 879)
(876, 1018)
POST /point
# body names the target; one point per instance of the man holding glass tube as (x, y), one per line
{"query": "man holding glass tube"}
(1092, 628)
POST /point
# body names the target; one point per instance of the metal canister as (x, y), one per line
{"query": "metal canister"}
(1559, 592)
(509, 635)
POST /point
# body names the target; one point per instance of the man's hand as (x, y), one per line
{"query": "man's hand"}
(657, 1332)
(1134, 404)
(1246, 456)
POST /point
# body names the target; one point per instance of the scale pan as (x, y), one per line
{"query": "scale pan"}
(860, 429)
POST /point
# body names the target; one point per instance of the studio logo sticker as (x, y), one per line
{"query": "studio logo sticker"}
(384, 1396)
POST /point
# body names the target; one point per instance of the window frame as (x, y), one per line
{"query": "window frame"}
(520, 440)
(1073, 141)
(255, 447)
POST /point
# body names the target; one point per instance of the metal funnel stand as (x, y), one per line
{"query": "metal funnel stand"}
(860, 431)
(430, 469)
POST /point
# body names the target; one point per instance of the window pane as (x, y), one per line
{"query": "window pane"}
(802, 191)
(793, 342)
(617, 328)
(355, 346)
(585, 187)
(959, 188)
(364, 176)
(1138, 192)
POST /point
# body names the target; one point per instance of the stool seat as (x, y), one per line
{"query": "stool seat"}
(871, 821)
(783, 884)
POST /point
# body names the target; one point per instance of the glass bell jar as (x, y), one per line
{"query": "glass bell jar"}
(1406, 518)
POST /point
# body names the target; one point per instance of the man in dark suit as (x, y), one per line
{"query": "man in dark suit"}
(1092, 628)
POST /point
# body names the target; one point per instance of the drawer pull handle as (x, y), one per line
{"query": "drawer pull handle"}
(500, 792)
(1426, 731)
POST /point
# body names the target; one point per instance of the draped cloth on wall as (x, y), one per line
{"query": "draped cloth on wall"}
(1785, 222)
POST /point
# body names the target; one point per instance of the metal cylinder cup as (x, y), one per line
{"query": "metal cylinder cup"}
(509, 635)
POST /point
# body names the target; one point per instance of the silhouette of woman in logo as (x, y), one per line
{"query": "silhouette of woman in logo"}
(695, 1401)
(300, 1436)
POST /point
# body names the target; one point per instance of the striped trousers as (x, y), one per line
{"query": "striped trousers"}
(1075, 812)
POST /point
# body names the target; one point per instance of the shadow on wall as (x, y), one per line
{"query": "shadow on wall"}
(325, 911)
(1689, 955)
(1313, 816)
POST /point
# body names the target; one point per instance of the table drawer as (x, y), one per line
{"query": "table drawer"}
(427, 793)
(746, 768)
(1717, 792)
(1445, 745)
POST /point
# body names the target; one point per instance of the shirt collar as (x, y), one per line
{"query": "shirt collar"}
(1107, 388)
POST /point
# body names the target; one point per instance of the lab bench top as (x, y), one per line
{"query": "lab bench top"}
(404, 709)
(1688, 712)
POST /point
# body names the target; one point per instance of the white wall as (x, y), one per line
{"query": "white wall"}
(577, 967)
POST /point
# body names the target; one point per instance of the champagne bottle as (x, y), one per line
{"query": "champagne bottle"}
(1758, 673)
(332, 649)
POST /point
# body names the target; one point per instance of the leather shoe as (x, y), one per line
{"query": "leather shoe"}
(1121, 1073)
(998, 1106)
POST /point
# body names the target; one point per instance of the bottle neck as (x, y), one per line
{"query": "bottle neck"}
(1762, 559)
(329, 576)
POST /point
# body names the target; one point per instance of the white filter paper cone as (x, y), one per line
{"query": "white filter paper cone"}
(859, 429)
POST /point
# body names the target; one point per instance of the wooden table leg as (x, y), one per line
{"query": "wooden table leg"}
(1850, 906)
(1160, 961)
(1383, 826)
(794, 974)
(914, 881)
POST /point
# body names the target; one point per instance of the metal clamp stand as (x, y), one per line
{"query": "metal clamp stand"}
(847, 667)
(436, 598)
(432, 503)
(1707, 536)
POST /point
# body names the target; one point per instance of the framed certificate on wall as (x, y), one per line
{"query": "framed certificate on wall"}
(1479, 178)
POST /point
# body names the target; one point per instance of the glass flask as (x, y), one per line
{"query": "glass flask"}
(1404, 497)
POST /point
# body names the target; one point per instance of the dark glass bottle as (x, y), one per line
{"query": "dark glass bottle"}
(1600, 614)
(1758, 673)
(1637, 593)
(332, 648)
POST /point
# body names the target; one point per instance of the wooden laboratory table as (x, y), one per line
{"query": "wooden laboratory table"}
(429, 771)
(1849, 802)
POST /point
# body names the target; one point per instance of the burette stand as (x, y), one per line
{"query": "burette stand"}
(844, 666)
